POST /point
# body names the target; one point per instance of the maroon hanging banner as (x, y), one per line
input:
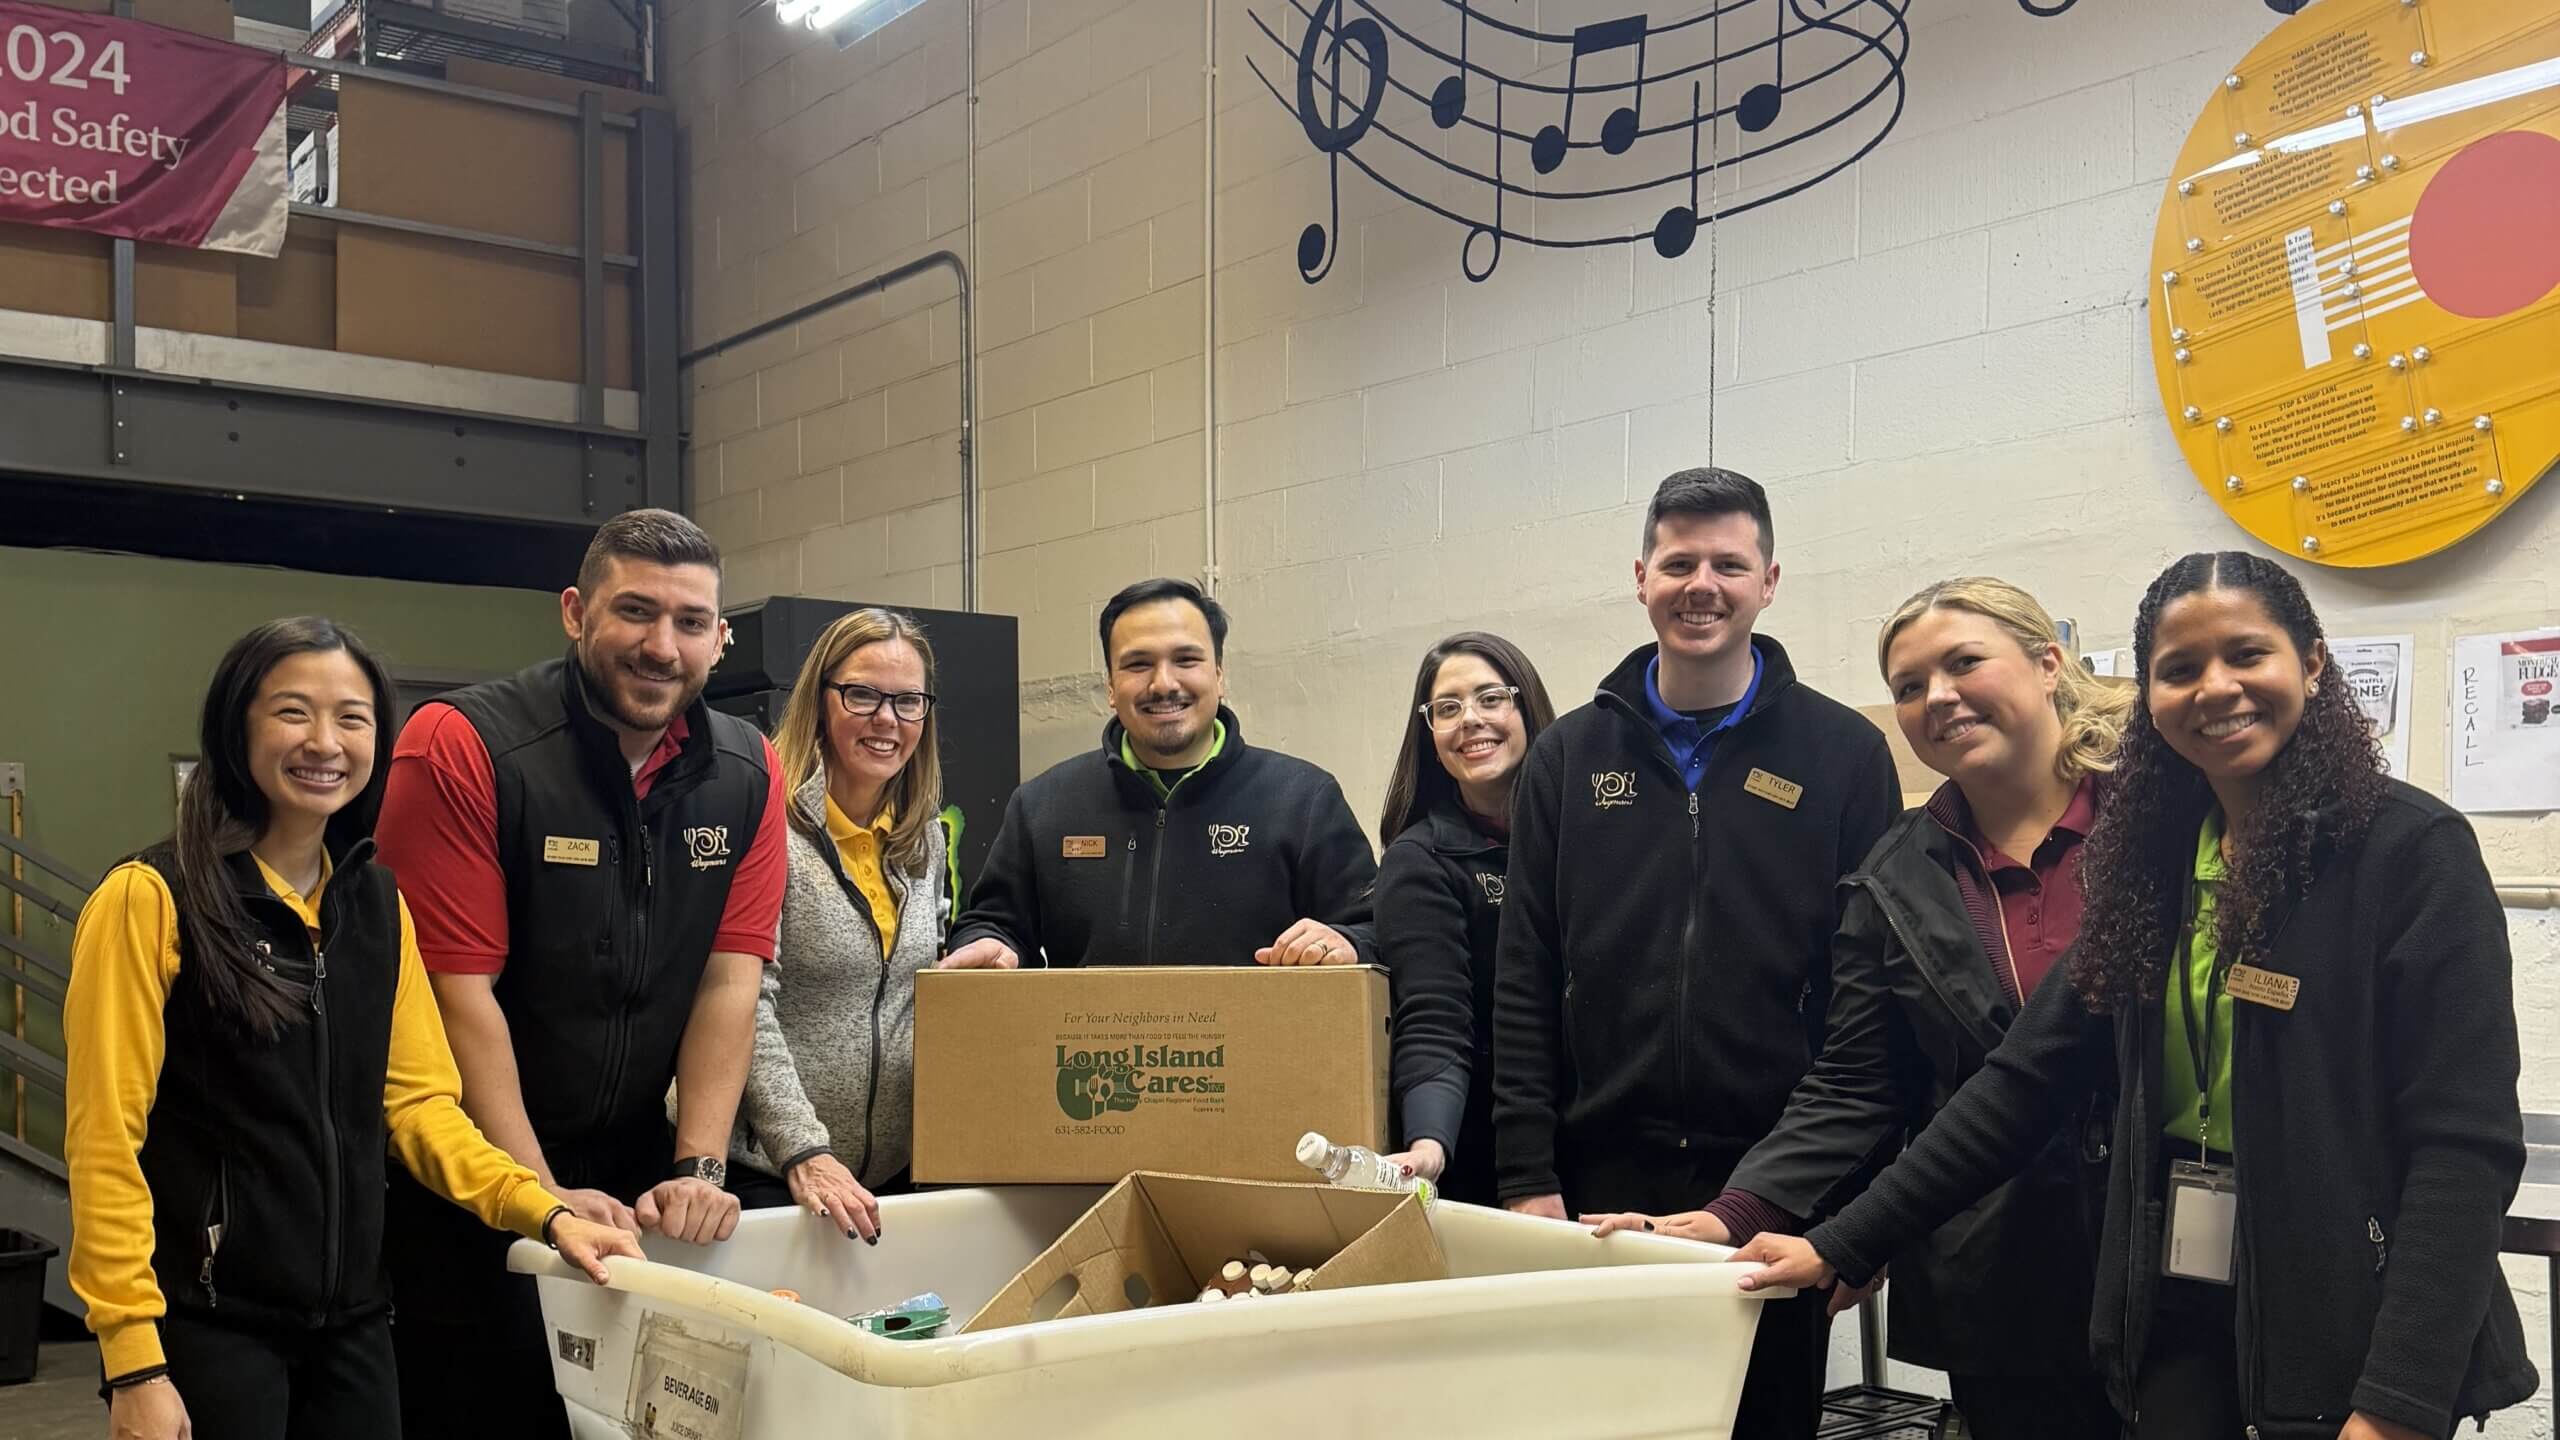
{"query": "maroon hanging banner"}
(138, 131)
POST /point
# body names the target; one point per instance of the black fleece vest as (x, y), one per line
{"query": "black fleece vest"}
(612, 901)
(265, 1157)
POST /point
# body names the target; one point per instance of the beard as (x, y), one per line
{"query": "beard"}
(610, 688)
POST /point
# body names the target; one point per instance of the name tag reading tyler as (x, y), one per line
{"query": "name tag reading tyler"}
(1784, 793)
(1084, 847)
(561, 850)
(2262, 987)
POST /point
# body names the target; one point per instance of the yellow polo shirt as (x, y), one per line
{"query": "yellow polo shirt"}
(861, 847)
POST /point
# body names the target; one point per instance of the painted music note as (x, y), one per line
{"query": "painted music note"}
(1467, 247)
(1678, 227)
(1618, 132)
(1330, 133)
(1762, 103)
(1449, 97)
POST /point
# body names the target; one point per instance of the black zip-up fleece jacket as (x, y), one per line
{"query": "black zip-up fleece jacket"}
(1916, 1007)
(2375, 1125)
(1091, 866)
(266, 1157)
(1440, 889)
(1665, 954)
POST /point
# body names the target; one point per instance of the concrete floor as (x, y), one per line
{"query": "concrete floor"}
(61, 1403)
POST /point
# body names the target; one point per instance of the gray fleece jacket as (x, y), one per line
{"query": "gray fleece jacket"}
(834, 1066)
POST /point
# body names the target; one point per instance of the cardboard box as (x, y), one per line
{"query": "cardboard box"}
(1160, 1239)
(1083, 1076)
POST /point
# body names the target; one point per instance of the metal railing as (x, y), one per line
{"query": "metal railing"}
(29, 969)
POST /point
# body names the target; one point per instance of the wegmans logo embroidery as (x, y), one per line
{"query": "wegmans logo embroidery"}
(708, 844)
(1492, 884)
(1228, 839)
(1612, 788)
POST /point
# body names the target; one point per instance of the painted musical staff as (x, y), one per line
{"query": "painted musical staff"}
(1827, 87)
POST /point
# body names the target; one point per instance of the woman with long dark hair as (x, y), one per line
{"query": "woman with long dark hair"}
(2295, 974)
(1957, 917)
(250, 1035)
(1477, 705)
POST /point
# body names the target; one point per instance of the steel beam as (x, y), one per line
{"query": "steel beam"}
(661, 310)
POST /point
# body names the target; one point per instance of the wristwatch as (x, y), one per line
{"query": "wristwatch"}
(708, 1169)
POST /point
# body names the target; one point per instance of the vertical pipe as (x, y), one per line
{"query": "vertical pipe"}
(969, 518)
(660, 286)
(591, 257)
(18, 928)
(1209, 295)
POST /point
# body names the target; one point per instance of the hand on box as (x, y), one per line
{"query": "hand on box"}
(598, 1207)
(584, 1243)
(1309, 942)
(989, 954)
(148, 1411)
(823, 1187)
(1425, 1159)
(1687, 1225)
(1784, 1260)
(1545, 1207)
(691, 1210)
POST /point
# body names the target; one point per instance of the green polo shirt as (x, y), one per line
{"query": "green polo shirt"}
(2180, 1099)
(1129, 757)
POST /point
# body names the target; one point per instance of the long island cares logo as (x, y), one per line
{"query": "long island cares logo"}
(1094, 1083)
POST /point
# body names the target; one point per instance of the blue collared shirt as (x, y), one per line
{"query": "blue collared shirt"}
(1693, 745)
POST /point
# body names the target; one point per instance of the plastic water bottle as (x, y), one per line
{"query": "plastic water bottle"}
(1359, 1167)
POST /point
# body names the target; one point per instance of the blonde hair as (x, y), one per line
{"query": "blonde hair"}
(915, 792)
(2093, 714)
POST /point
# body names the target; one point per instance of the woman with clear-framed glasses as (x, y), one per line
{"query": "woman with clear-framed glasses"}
(827, 1118)
(1477, 704)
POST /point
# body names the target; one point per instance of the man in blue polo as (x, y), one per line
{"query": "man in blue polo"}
(1664, 961)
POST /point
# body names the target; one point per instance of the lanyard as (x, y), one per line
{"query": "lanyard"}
(2199, 1047)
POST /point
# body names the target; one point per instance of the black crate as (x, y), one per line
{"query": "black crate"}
(22, 1261)
(1871, 1412)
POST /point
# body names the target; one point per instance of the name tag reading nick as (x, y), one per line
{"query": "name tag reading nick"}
(2262, 987)
(1783, 793)
(562, 850)
(1084, 847)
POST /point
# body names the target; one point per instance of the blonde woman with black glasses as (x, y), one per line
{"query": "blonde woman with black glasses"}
(827, 1120)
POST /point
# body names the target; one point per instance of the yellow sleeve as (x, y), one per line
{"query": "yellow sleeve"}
(124, 958)
(422, 1109)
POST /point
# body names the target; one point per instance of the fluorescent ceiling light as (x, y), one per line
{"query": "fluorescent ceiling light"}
(2468, 95)
(849, 19)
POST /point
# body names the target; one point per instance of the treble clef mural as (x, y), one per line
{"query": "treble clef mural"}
(1325, 127)
(1815, 86)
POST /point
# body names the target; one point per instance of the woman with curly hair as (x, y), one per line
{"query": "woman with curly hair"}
(2294, 972)
(1956, 917)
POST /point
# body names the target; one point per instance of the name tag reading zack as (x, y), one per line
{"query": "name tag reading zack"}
(561, 850)
(1084, 847)
(1783, 793)
(2262, 987)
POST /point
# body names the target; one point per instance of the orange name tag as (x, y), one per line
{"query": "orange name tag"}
(1084, 847)
(2262, 987)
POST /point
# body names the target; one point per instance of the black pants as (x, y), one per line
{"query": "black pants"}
(1782, 1391)
(2189, 1385)
(475, 1357)
(253, 1383)
(2035, 1407)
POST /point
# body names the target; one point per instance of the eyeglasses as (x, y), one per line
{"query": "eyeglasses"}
(1491, 703)
(908, 705)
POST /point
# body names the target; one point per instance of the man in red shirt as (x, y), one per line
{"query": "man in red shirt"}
(594, 862)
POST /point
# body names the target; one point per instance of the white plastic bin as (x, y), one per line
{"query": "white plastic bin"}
(1540, 1331)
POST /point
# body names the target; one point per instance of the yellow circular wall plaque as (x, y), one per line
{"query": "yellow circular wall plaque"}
(2357, 326)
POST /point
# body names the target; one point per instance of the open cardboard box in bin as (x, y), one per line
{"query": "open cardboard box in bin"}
(1159, 1239)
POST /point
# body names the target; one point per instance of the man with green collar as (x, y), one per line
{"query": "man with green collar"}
(1174, 843)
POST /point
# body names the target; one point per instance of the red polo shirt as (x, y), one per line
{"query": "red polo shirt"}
(2038, 913)
(439, 834)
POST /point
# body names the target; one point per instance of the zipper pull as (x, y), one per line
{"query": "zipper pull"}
(648, 859)
(319, 974)
(1159, 819)
(1693, 814)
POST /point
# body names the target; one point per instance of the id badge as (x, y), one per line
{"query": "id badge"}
(2204, 1213)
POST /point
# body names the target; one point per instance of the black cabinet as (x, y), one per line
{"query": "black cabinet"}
(978, 666)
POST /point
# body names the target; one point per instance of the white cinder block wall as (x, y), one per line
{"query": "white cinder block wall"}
(1936, 360)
